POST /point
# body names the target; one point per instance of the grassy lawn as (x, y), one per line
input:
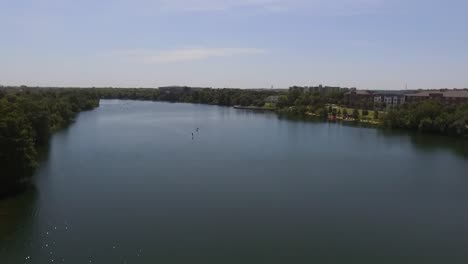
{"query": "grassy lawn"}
(369, 117)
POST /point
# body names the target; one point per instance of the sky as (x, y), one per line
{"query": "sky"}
(368, 44)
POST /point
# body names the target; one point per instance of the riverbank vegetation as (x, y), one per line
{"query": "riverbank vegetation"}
(28, 116)
(224, 97)
(27, 119)
(427, 116)
(430, 117)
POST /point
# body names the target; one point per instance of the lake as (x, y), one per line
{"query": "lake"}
(128, 183)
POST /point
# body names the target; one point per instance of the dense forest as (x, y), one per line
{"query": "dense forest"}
(27, 119)
(427, 117)
(28, 116)
(430, 117)
(294, 100)
(226, 97)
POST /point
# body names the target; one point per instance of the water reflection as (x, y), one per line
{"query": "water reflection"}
(17, 212)
(430, 143)
(422, 142)
(126, 183)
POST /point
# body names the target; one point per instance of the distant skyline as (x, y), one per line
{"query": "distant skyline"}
(368, 44)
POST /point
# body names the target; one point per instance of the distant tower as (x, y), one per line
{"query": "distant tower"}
(272, 87)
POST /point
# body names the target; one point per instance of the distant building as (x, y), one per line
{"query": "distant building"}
(358, 98)
(322, 90)
(272, 99)
(179, 89)
(443, 96)
(355, 94)
(358, 93)
(388, 98)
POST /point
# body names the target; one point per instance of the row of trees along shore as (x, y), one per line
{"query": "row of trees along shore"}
(28, 116)
(224, 97)
(27, 119)
(427, 116)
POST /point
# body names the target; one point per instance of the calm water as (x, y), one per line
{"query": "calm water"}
(127, 183)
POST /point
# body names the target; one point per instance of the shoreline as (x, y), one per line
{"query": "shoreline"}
(329, 118)
(254, 108)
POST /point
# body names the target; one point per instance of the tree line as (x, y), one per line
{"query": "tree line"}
(430, 117)
(28, 116)
(427, 116)
(225, 97)
(27, 119)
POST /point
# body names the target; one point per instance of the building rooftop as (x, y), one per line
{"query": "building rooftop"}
(359, 92)
(392, 92)
(272, 99)
(444, 93)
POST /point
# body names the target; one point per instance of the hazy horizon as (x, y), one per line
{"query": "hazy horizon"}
(208, 87)
(368, 44)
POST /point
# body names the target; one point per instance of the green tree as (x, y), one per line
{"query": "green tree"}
(282, 101)
(323, 113)
(345, 112)
(376, 114)
(334, 112)
(355, 114)
(27, 118)
(425, 125)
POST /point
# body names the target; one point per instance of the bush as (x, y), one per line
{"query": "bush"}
(355, 114)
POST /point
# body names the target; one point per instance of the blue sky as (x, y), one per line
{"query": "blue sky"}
(369, 44)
